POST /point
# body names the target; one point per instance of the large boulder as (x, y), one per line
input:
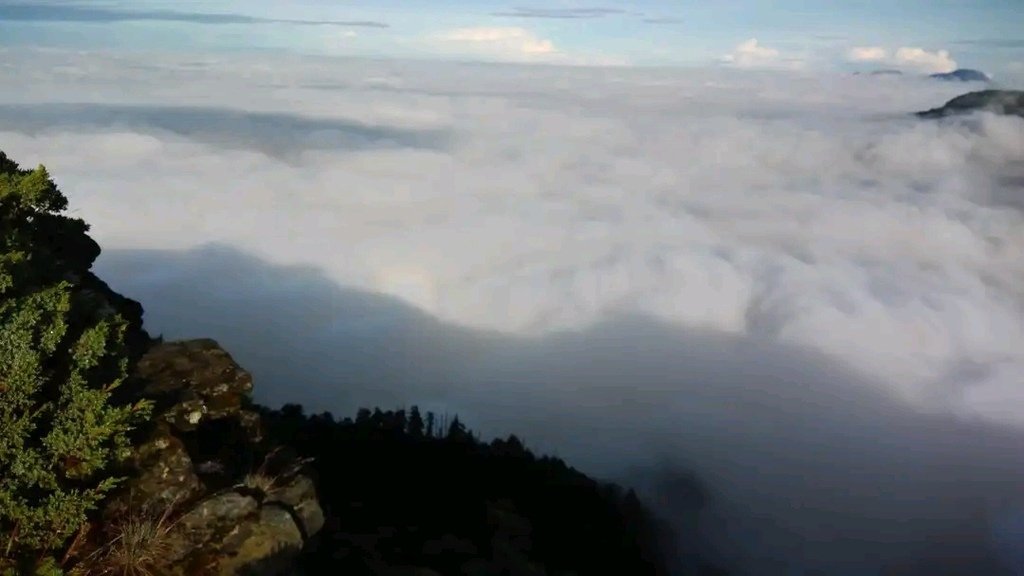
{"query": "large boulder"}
(245, 531)
(204, 527)
(193, 382)
(231, 534)
(266, 546)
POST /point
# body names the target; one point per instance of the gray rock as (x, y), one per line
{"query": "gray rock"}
(165, 476)
(213, 520)
(267, 546)
(299, 494)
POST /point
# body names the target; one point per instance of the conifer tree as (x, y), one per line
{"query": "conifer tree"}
(416, 424)
(429, 424)
(62, 355)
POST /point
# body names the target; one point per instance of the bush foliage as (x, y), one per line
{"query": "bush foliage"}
(62, 355)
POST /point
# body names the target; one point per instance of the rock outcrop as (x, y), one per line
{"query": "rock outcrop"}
(1008, 102)
(238, 507)
(195, 382)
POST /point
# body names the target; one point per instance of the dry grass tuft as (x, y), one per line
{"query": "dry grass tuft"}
(262, 483)
(140, 545)
(266, 483)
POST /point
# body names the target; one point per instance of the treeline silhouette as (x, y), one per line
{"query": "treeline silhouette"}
(417, 494)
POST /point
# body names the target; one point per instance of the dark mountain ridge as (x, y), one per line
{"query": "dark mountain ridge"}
(1006, 102)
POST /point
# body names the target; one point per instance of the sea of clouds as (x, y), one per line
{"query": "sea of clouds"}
(780, 281)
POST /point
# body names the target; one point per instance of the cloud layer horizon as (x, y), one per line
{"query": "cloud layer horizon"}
(848, 256)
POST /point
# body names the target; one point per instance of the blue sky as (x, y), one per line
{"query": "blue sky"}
(986, 34)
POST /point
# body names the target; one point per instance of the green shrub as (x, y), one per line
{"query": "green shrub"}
(62, 354)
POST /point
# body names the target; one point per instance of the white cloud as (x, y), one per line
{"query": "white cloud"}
(508, 42)
(802, 243)
(584, 155)
(751, 54)
(910, 58)
(938, 61)
(868, 54)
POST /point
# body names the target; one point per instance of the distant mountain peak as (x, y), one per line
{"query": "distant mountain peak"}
(881, 72)
(963, 75)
